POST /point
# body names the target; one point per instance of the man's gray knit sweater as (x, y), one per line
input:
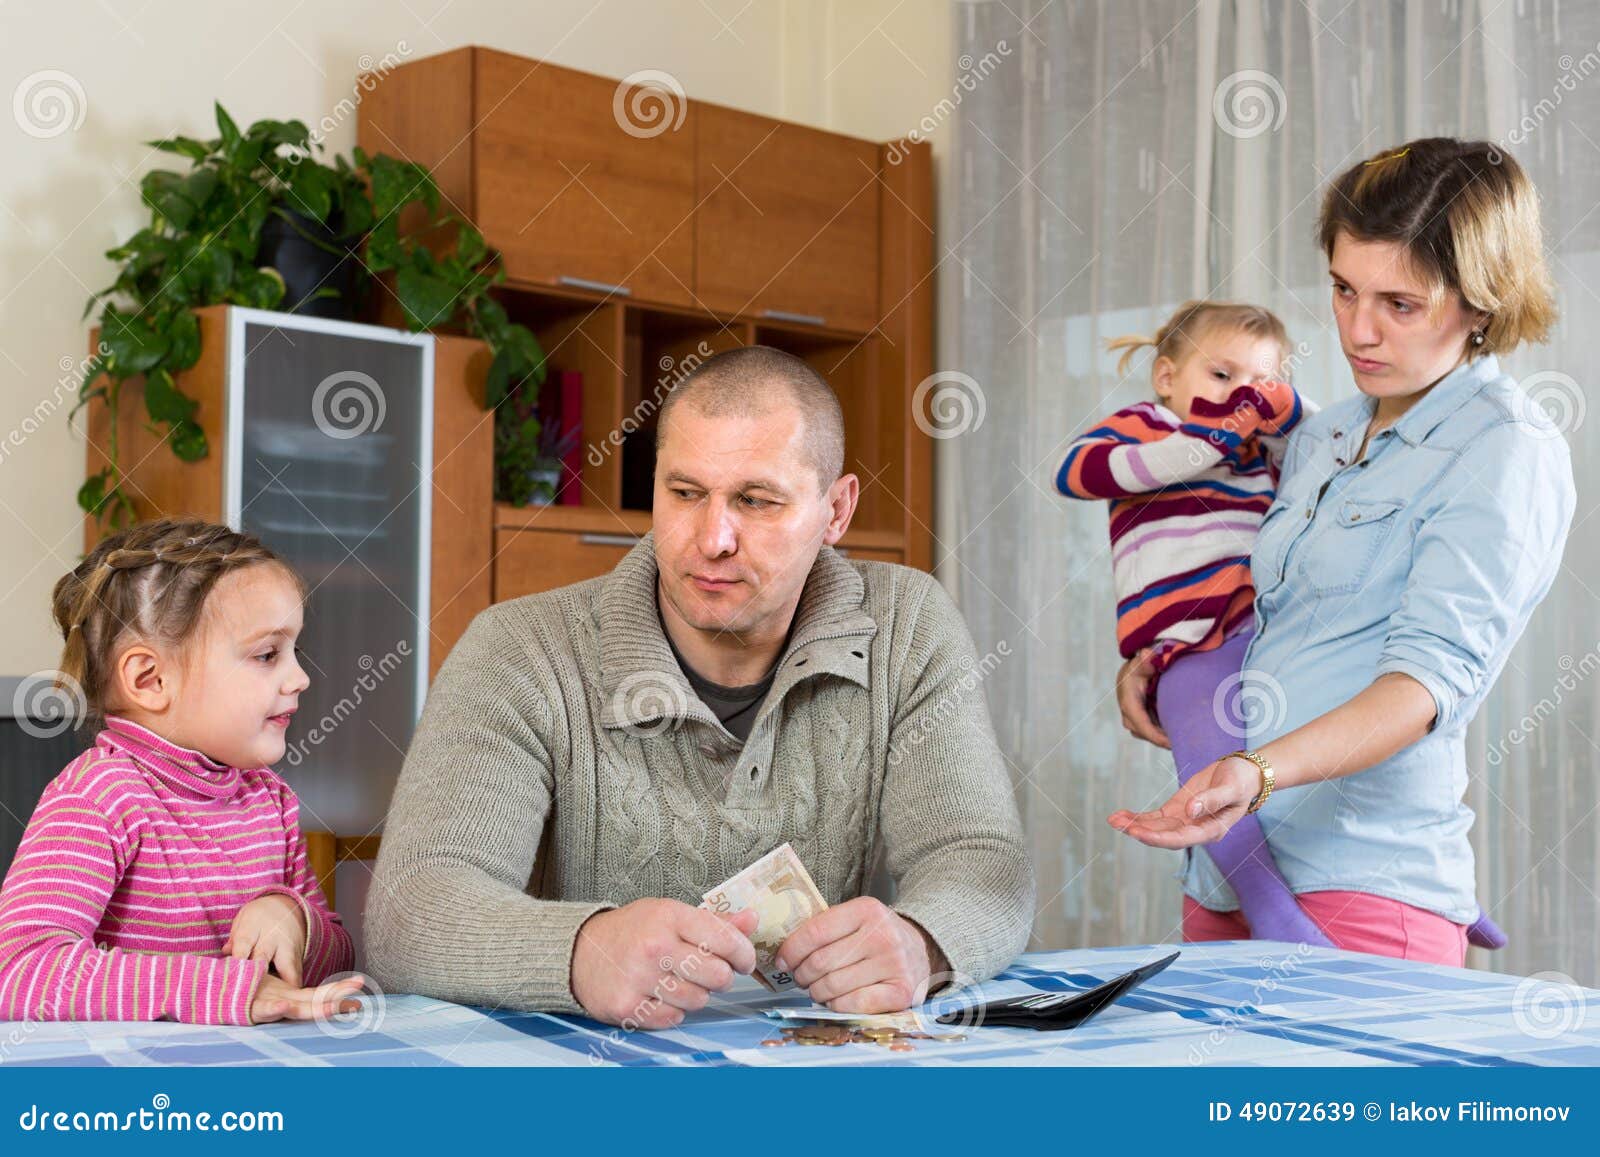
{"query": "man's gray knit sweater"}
(562, 732)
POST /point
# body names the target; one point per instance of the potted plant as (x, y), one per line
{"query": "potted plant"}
(258, 221)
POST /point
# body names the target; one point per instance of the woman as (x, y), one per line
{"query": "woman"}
(1416, 528)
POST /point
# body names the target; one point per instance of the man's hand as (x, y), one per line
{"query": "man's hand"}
(861, 956)
(1133, 680)
(271, 929)
(1201, 811)
(645, 964)
(279, 1000)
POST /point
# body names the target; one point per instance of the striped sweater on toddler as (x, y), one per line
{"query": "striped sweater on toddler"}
(127, 880)
(1187, 499)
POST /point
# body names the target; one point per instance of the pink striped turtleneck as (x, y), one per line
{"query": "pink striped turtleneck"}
(128, 877)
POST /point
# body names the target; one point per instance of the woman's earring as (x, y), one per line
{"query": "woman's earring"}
(1477, 337)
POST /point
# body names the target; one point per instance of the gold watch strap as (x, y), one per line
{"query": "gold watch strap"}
(1267, 778)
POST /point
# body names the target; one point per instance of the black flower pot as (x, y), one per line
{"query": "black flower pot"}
(312, 259)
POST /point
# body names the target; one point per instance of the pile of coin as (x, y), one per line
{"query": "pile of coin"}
(834, 1035)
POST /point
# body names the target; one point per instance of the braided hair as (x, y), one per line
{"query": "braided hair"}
(149, 583)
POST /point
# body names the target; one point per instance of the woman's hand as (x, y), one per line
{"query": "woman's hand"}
(279, 1000)
(1133, 682)
(271, 929)
(1202, 810)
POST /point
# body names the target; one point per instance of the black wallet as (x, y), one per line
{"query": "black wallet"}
(1054, 1010)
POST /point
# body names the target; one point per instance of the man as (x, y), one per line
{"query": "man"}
(733, 684)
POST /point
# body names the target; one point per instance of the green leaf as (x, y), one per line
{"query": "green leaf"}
(92, 494)
(384, 250)
(133, 345)
(258, 288)
(165, 193)
(491, 317)
(229, 130)
(199, 185)
(397, 183)
(189, 442)
(495, 384)
(184, 338)
(358, 216)
(164, 402)
(274, 133)
(184, 146)
(427, 300)
(470, 246)
(311, 190)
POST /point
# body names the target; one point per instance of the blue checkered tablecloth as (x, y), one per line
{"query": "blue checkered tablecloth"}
(1236, 1003)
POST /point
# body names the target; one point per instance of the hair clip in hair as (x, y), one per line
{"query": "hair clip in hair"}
(1391, 156)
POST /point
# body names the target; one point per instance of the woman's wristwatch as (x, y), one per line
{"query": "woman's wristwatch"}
(1260, 761)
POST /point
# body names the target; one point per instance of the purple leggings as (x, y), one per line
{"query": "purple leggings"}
(1197, 721)
(1202, 731)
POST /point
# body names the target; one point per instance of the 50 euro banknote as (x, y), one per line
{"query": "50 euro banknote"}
(783, 895)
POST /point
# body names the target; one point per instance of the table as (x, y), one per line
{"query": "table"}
(1228, 1003)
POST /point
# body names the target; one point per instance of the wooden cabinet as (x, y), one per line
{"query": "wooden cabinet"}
(564, 191)
(530, 561)
(788, 221)
(725, 228)
(555, 166)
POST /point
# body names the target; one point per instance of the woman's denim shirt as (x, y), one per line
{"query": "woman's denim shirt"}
(1427, 559)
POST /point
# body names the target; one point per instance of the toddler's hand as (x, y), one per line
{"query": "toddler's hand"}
(271, 929)
(1275, 402)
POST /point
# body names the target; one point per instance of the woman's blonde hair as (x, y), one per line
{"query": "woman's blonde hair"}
(150, 583)
(1468, 218)
(1193, 321)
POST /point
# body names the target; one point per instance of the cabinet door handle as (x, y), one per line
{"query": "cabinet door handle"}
(799, 318)
(627, 540)
(597, 286)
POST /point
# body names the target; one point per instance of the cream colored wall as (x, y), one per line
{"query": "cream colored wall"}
(138, 71)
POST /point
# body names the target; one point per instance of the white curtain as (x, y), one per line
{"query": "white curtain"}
(1112, 159)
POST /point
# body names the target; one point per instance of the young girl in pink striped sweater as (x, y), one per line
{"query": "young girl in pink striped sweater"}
(163, 875)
